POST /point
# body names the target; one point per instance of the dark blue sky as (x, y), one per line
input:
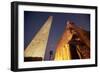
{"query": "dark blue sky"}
(34, 20)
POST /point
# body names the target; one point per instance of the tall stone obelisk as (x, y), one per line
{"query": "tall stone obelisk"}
(37, 46)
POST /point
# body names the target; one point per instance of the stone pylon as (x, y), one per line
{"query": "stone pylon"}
(63, 49)
(73, 44)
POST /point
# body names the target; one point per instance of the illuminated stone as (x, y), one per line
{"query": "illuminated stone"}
(37, 46)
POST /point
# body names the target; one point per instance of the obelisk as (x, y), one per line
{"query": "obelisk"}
(37, 46)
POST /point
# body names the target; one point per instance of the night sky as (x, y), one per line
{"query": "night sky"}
(33, 21)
